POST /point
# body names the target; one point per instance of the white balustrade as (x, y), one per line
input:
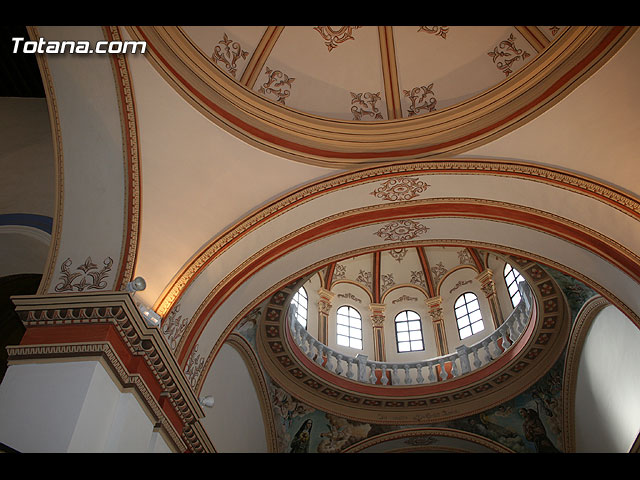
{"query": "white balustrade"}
(463, 361)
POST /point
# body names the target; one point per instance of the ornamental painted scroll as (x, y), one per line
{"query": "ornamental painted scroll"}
(87, 276)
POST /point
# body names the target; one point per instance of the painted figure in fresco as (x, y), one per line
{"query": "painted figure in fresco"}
(535, 432)
(300, 442)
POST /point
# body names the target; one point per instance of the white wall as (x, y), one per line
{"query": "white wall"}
(607, 417)
(234, 423)
(71, 407)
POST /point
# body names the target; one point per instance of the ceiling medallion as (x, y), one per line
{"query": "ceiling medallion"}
(401, 231)
(335, 37)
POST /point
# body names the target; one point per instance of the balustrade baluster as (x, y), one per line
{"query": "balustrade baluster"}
(407, 375)
(372, 377)
(505, 339)
(443, 373)
(432, 376)
(339, 369)
(476, 363)
(329, 364)
(485, 344)
(419, 377)
(384, 378)
(349, 368)
(395, 378)
(319, 358)
(454, 366)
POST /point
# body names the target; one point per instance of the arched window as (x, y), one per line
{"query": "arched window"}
(468, 315)
(512, 277)
(409, 332)
(349, 327)
(300, 300)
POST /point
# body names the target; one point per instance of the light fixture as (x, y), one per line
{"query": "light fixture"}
(137, 285)
(207, 401)
(152, 318)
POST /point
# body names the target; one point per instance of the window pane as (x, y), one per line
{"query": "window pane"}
(415, 335)
(471, 306)
(414, 325)
(356, 344)
(342, 340)
(356, 323)
(477, 327)
(403, 336)
(461, 311)
(355, 333)
(475, 316)
(342, 330)
(416, 345)
(465, 332)
(463, 322)
(412, 315)
(404, 347)
(402, 326)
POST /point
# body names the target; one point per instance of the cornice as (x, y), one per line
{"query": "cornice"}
(108, 324)
(541, 83)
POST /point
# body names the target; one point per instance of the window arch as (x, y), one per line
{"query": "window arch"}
(300, 300)
(512, 277)
(409, 332)
(349, 327)
(468, 315)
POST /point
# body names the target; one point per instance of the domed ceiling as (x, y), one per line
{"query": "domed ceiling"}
(368, 72)
(361, 95)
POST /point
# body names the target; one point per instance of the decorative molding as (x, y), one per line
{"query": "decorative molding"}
(333, 38)
(131, 147)
(93, 316)
(400, 189)
(58, 153)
